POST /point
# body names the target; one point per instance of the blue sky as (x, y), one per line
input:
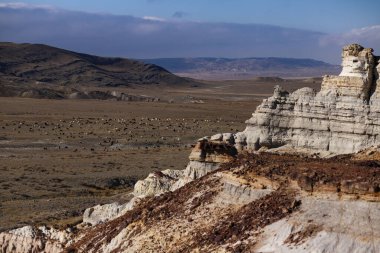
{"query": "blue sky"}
(317, 15)
(195, 28)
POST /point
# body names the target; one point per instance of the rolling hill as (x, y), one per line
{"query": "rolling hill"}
(22, 64)
(41, 71)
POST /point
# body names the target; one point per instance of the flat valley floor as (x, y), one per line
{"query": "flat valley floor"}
(58, 157)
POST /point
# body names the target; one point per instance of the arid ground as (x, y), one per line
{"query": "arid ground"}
(58, 157)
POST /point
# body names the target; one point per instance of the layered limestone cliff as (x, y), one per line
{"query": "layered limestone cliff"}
(344, 117)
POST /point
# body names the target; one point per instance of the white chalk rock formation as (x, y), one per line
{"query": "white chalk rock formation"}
(103, 213)
(35, 239)
(344, 117)
(156, 183)
(325, 226)
(205, 157)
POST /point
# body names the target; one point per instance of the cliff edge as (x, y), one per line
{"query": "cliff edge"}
(342, 118)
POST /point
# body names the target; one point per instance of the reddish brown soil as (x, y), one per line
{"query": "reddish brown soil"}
(341, 173)
(300, 236)
(248, 219)
(166, 206)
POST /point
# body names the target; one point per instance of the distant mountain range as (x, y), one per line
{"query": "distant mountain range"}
(244, 68)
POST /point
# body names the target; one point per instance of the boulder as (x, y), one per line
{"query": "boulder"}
(103, 213)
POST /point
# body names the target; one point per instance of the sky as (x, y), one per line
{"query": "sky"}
(317, 15)
(194, 28)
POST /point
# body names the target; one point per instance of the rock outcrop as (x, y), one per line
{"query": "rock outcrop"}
(103, 213)
(344, 117)
(35, 239)
(206, 156)
(258, 203)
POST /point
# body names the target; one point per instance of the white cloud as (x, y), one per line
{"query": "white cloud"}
(373, 30)
(20, 5)
(153, 18)
(367, 36)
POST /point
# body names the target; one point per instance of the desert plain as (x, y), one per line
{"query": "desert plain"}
(59, 157)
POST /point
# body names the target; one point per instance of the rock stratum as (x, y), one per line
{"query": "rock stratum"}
(342, 118)
(304, 176)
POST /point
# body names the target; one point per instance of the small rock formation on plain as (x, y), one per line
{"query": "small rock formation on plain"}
(205, 157)
(233, 199)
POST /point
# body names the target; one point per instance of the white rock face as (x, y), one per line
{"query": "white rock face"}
(197, 169)
(170, 180)
(336, 224)
(32, 239)
(344, 117)
(103, 213)
(236, 193)
(160, 182)
(357, 61)
(156, 183)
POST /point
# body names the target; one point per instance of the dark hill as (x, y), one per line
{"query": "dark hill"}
(26, 64)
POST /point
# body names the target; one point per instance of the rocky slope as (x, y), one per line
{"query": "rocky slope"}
(231, 198)
(260, 203)
(257, 203)
(35, 70)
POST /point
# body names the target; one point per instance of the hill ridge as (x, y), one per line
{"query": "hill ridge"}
(23, 63)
